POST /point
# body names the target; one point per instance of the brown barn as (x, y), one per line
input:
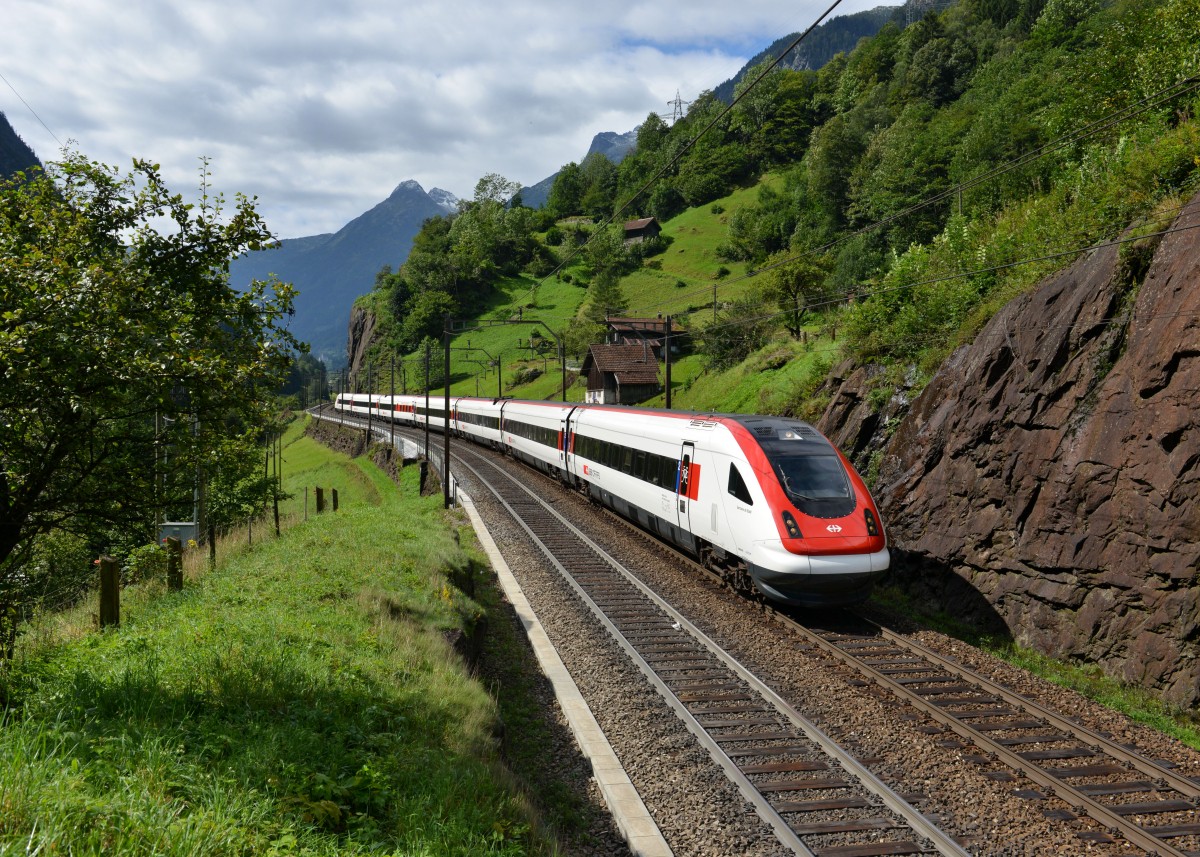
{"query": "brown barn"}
(637, 231)
(620, 374)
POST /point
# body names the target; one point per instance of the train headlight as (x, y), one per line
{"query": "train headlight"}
(872, 526)
(791, 526)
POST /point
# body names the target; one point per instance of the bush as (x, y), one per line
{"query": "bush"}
(526, 375)
(149, 562)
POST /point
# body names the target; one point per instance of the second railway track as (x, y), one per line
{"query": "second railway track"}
(1038, 768)
(816, 797)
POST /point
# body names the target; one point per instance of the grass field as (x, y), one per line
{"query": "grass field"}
(680, 281)
(302, 698)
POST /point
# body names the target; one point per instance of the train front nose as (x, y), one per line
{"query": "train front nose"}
(815, 580)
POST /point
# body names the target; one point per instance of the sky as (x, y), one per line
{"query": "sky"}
(319, 109)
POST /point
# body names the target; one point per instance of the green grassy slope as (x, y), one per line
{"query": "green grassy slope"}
(302, 698)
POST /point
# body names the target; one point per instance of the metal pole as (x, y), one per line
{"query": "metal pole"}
(426, 399)
(499, 378)
(667, 358)
(392, 415)
(446, 426)
(562, 355)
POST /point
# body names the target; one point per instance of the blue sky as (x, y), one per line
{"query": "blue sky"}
(321, 108)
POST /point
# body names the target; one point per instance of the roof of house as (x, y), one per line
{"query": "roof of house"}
(658, 325)
(641, 223)
(628, 362)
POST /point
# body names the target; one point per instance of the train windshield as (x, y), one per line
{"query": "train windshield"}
(817, 484)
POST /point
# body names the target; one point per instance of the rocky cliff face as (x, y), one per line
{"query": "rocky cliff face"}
(1048, 477)
(361, 335)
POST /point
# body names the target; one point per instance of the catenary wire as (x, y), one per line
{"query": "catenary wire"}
(1146, 104)
(31, 110)
(684, 149)
(958, 276)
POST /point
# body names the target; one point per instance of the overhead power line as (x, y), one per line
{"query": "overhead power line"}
(1138, 108)
(688, 145)
(31, 110)
(945, 278)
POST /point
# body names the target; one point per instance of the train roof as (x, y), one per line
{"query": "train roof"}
(783, 435)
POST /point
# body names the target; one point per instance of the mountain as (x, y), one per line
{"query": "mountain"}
(612, 145)
(331, 270)
(15, 155)
(820, 46)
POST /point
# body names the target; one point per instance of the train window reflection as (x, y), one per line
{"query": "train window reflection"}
(813, 477)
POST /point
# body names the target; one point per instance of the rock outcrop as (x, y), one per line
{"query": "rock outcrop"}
(360, 338)
(1049, 474)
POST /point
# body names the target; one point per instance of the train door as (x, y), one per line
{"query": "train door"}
(564, 442)
(685, 490)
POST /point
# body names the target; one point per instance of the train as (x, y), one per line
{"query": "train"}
(767, 502)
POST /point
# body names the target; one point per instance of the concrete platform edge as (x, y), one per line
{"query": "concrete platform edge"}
(633, 819)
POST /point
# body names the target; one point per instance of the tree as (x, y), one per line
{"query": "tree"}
(606, 256)
(795, 288)
(742, 328)
(426, 317)
(566, 194)
(600, 185)
(494, 187)
(125, 355)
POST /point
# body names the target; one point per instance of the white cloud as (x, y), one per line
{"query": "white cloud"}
(321, 108)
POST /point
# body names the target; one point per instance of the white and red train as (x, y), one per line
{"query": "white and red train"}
(769, 497)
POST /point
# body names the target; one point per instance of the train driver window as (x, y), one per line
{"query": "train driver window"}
(737, 486)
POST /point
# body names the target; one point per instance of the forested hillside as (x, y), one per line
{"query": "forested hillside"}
(836, 246)
(835, 36)
(896, 193)
(15, 154)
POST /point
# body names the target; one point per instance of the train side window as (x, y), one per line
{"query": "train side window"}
(737, 486)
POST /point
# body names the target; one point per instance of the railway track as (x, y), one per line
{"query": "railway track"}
(1132, 797)
(817, 798)
(1139, 799)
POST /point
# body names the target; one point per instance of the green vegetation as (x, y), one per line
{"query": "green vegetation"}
(300, 699)
(826, 201)
(132, 371)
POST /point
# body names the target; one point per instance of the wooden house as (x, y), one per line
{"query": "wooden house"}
(620, 374)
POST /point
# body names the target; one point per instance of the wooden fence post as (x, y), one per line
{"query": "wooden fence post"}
(174, 563)
(306, 502)
(110, 592)
(320, 499)
(333, 491)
